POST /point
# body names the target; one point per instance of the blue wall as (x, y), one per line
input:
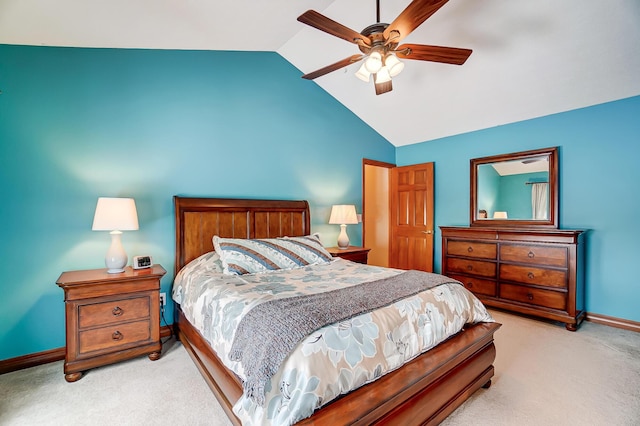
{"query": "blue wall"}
(599, 176)
(76, 124)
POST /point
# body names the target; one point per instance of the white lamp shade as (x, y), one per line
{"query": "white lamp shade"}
(363, 74)
(500, 215)
(343, 214)
(393, 64)
(115, 214)
(373, 63)
(382, 76)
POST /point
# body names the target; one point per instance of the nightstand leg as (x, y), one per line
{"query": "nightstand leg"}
(154, 356)
(73, 377)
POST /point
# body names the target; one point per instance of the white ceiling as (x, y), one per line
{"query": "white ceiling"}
(530, 58)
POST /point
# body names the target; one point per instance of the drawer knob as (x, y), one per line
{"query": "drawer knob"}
(469, 268)
(470, 249)
(529, 296)
(117, 311)
(531, 255)
(470, 284)
(117, 335)
(530, 275)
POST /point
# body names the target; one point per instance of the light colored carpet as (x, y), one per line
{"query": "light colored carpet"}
(545, 375)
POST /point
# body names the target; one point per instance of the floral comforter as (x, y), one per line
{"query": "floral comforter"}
(336, 358)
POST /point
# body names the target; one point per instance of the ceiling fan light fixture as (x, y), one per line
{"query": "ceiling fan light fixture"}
(363, 74)
(382, 76)
(393, 64)
(374, 62)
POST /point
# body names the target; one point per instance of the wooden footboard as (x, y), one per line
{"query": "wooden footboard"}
(424, 391)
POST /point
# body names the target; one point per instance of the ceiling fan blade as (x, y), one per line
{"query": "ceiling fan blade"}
(421, 52)
(333, 67)
(383, 87)
(409, 19)
(329, 26)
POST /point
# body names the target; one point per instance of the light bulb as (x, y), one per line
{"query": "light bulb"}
(373, 62)
(393, 64)
(363, 74)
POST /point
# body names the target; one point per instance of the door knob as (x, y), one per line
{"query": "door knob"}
(429, 231)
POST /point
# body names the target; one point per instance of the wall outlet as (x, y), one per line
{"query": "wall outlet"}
(163, 299)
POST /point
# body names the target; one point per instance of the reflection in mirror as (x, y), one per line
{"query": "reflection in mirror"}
(514, 189)
(518, 189)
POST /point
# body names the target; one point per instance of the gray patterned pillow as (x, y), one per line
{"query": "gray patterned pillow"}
(240, 256)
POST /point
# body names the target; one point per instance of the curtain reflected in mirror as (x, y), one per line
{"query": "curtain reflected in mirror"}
(540, 201)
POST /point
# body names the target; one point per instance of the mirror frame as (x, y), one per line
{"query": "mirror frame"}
(552, 221)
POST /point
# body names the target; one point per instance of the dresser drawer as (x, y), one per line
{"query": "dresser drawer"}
(533, 254)
(477, 285)
(546, 298)
(115, 311)
(533, 275)
(114, 336)
(472, 249)
(474, 267)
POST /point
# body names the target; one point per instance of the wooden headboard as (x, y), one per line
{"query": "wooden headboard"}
(199, 219)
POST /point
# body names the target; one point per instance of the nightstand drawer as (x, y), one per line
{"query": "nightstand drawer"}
(546, 298)
(532, 275)
(114, 336)
(115, 311)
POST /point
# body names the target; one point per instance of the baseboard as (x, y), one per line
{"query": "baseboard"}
(53, 355)
(614, 322)
(31, 360)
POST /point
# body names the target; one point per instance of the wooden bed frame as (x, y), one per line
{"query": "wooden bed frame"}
(424, 391)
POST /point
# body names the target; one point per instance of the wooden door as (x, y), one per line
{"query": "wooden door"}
(411, 216)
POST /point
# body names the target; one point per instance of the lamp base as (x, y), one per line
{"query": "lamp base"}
(116, 258)
(343, 238)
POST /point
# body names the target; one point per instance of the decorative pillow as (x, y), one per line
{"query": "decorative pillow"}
(240, 256)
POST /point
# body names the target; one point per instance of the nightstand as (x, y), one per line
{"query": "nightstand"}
(110, 317)
(352, 253)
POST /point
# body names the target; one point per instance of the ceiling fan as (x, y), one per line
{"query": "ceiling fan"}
(379, 44)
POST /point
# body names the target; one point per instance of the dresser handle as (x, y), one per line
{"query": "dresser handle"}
(117, 311)
(529, 296)
(531, 255)
(470, 249)
(117, 335)
(470, 284)
(469, 268)
(530, 275)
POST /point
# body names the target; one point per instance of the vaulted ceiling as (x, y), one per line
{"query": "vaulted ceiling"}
(530, 58)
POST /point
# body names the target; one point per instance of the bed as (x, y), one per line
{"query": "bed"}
(422, 391)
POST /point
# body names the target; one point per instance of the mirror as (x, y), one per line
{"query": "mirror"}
(515, 190)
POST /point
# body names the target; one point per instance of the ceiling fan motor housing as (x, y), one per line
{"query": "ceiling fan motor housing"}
(375, 34)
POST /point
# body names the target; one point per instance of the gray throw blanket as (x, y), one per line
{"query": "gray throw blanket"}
(270, 331)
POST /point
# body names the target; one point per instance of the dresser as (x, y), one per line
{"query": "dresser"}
(110, 317)
(535, 272)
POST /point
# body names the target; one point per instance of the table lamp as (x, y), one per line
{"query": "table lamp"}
(115, 215)
(343, 215)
